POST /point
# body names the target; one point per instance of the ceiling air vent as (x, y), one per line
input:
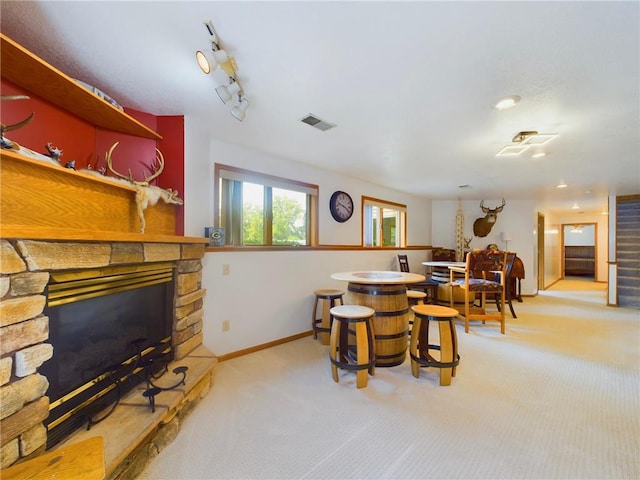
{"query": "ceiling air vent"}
(318, 123)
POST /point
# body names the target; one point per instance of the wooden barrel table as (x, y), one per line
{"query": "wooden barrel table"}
(386, 293)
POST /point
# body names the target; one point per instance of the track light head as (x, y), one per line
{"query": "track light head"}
(240, 110)
(226, 92)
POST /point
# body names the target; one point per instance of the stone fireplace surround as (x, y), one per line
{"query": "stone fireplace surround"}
(132, 434)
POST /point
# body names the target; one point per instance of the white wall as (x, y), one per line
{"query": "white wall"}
(517, 218)
(268, 295)
(585, 237)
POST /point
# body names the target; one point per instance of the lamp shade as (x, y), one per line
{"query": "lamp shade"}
(208, 61)
(505, 236)
(240, 110)
(226, 92)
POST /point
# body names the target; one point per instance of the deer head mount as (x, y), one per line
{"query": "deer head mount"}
(482, 226)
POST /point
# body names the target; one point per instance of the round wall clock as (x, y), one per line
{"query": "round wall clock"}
(341, 206)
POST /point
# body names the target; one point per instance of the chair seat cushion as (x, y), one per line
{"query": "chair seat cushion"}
(480, 285)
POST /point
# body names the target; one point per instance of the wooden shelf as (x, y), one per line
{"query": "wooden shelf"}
(43, 201)
(24, 69)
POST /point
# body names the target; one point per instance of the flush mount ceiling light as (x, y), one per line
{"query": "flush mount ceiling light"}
(507, 102)
(511, 150)
(533, 138)
(210, 60)
(539, 155)
(525, 139)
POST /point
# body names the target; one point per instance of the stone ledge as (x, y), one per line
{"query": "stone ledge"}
(132, 424)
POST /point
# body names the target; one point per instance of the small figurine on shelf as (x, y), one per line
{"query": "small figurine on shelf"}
(54, 152)
(70, 164)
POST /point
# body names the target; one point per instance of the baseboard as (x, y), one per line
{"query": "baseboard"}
(264, 346)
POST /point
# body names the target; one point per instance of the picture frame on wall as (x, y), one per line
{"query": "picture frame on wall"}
(215, 236)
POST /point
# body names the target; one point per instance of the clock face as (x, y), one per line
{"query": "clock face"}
(341, 206)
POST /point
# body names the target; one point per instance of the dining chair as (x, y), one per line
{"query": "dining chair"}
(508, 294)
(430, 287)
(480, 278)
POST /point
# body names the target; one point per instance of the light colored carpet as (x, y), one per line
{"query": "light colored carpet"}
(557, 397)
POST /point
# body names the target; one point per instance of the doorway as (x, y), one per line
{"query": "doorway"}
(540, 230)
(579, 251)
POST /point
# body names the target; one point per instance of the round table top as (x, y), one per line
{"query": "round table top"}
(378, 277)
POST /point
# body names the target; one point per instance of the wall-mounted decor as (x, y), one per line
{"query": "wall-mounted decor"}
(215, 236)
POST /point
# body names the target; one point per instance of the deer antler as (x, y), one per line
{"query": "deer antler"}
(107, 158)
(159, 160)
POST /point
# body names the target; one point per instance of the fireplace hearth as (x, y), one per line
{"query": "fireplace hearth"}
(32, 271)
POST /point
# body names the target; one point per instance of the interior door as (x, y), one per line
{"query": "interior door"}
(540, 230)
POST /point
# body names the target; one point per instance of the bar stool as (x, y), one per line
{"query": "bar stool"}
(329, 297)
(360, 357)
(415, 297)
(420, 346)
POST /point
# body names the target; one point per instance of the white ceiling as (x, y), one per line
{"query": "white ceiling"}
(411, 85)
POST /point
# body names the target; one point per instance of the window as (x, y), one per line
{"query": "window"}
(384, 223)
(262, 210)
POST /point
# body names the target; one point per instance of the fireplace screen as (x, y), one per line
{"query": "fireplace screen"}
(106, 326)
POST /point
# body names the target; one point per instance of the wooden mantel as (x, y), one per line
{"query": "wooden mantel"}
(40, 200)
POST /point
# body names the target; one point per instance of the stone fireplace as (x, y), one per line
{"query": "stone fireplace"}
(27, 267)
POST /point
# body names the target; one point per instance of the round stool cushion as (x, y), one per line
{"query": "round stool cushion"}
(328, 293)
(434, 311)
(415, 294)
(352, 311)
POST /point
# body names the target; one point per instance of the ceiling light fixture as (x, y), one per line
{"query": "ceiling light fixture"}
(209, 60)
(533, 138)
(511, 150)
(562, 185)
(226, 92)
(539, 155)
(507, 102)
(525, 139)
(240, 110)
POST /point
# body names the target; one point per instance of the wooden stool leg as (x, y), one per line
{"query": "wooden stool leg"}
(454, 338)
(446, 351)
(313, 318)
(333, 348)
(362, 353)
(372, 347)
(326, 321)
(413, 346)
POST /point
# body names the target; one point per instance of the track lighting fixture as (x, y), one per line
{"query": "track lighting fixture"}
(239, 111)
(209, 60)
(226, 92)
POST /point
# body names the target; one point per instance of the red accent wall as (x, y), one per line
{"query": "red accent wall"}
(86, 144)
(172, 147)
(76, 138)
